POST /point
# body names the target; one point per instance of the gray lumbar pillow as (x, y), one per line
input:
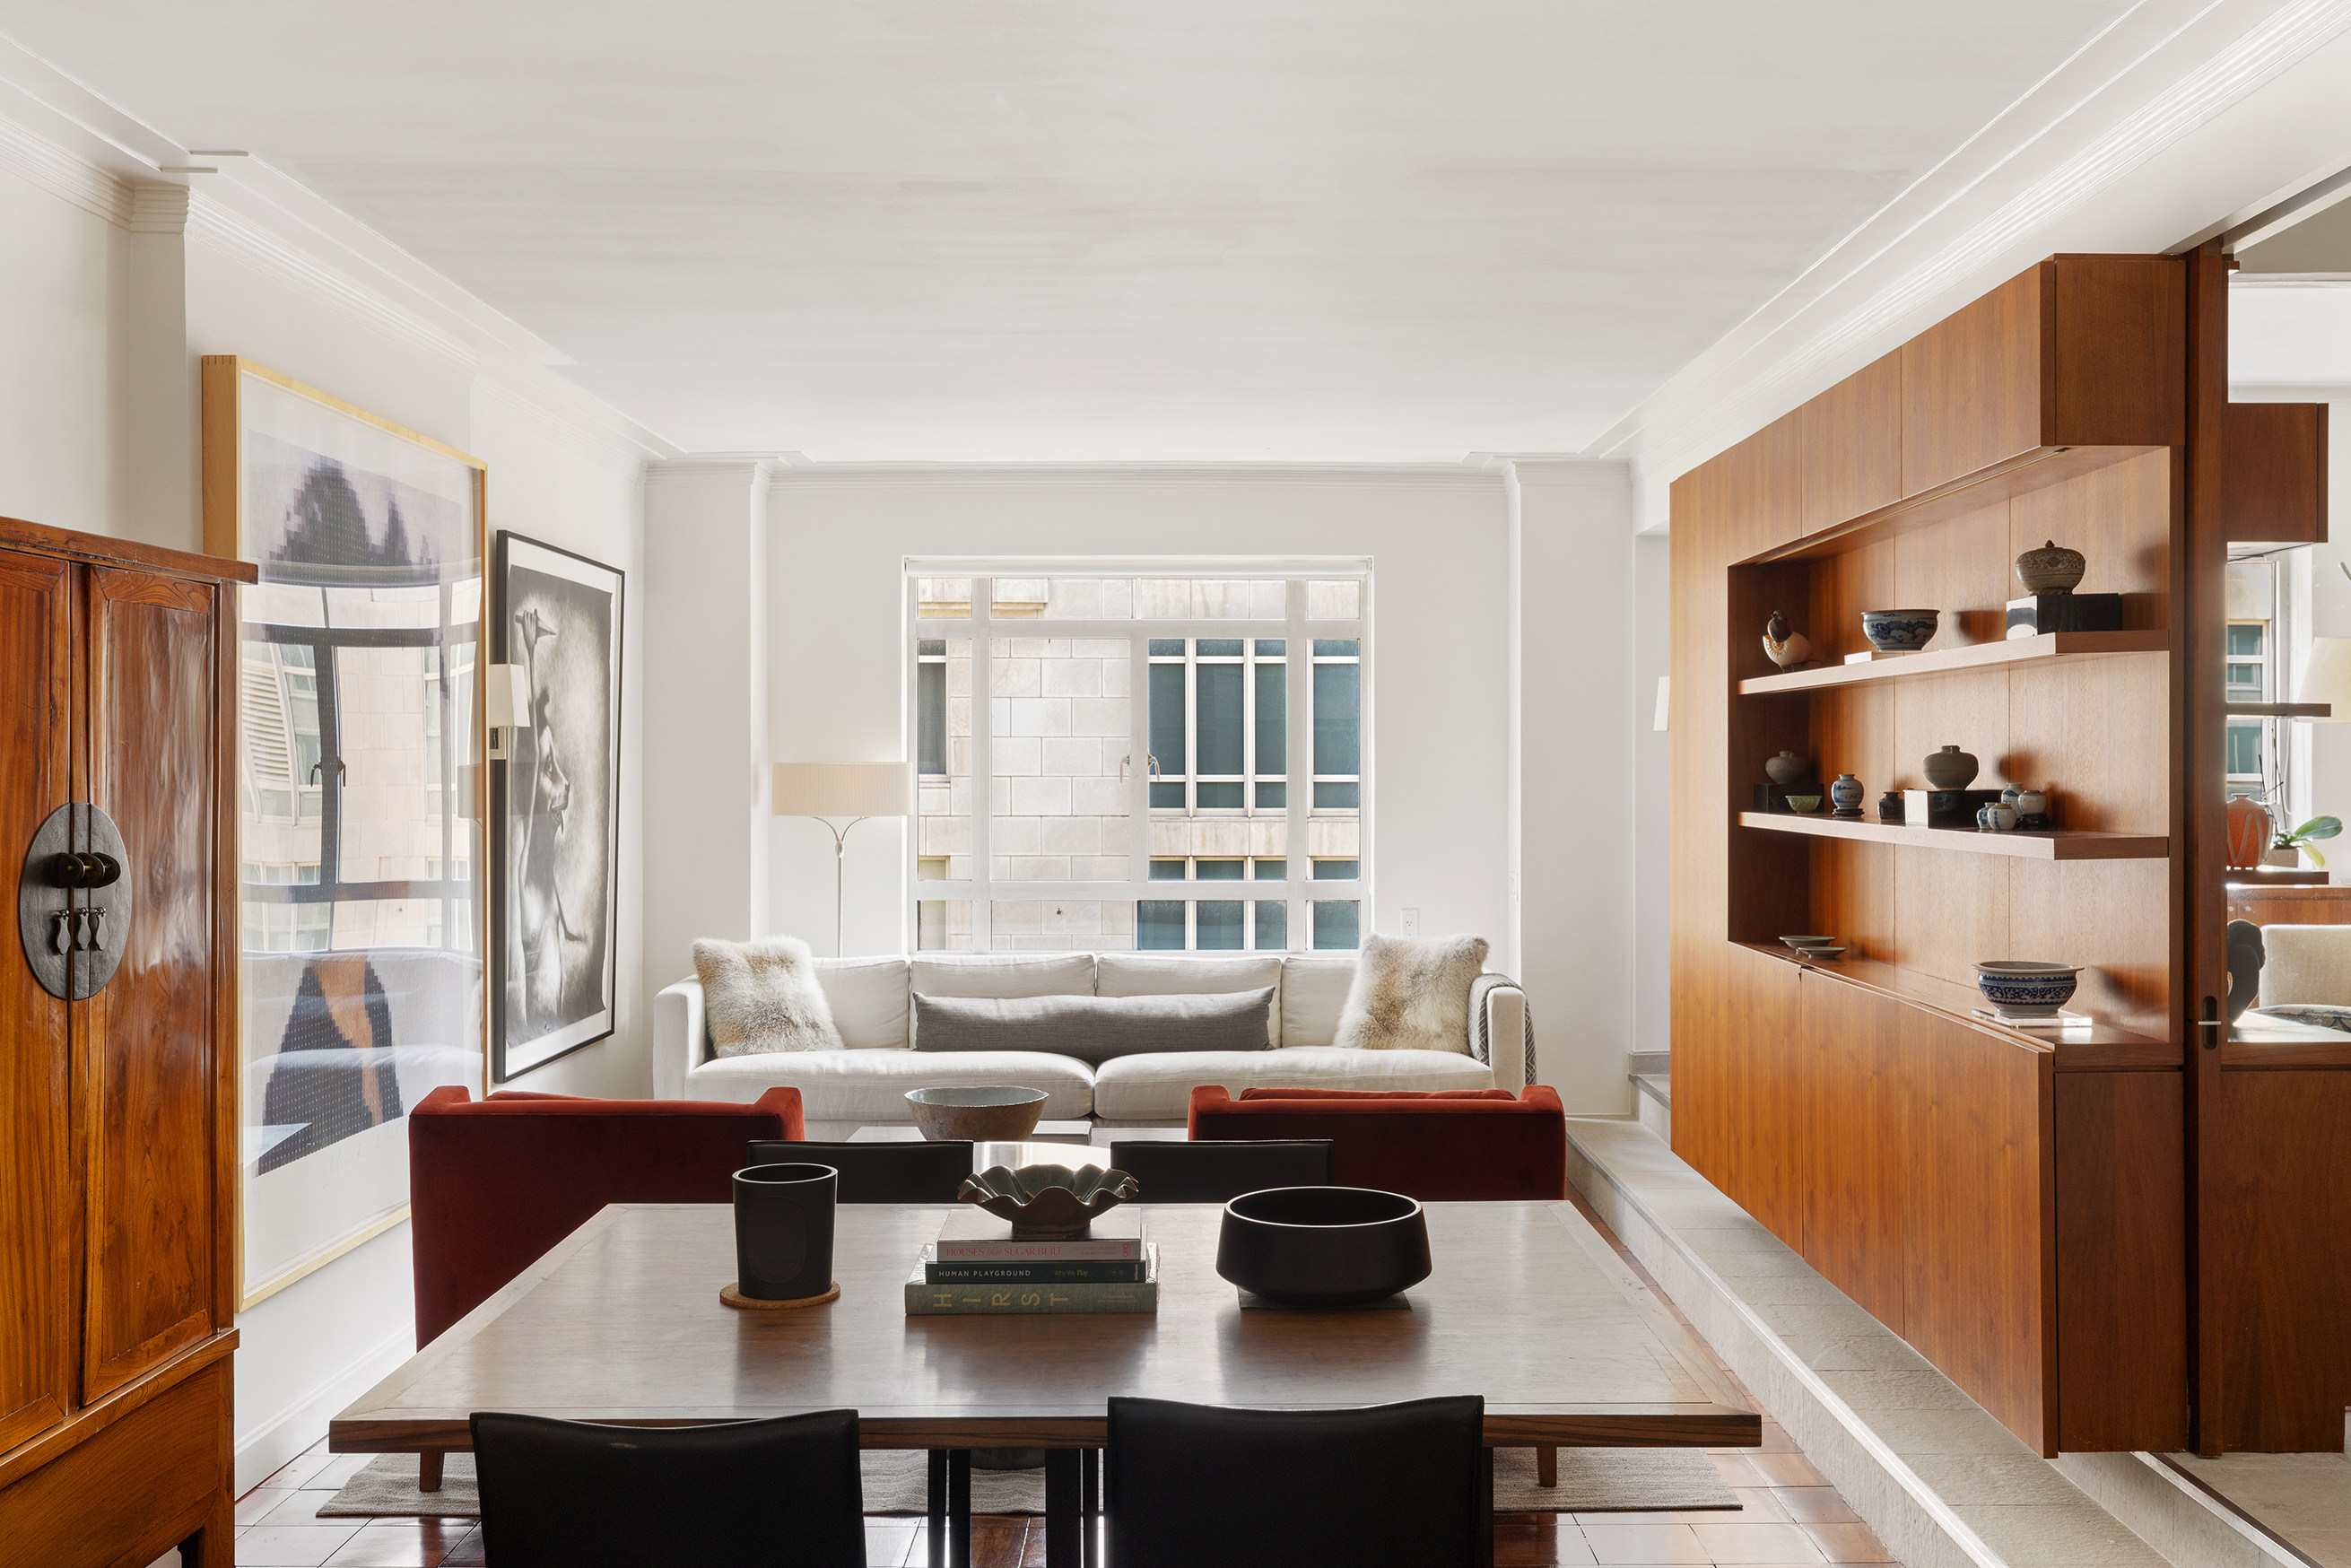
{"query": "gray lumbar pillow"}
(1411, 995)
(1094, 1029)
(762, 996)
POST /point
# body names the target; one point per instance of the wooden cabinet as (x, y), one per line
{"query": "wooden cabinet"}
(117, 1112)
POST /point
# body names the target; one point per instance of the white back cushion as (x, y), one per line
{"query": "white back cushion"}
(869, 1000)
(1166, 975)
(1000, 975)
(2305, 963)
(1313, 991)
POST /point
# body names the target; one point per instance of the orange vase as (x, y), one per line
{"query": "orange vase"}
(2248, 833)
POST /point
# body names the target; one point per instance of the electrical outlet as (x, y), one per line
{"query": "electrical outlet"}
(1412, 921)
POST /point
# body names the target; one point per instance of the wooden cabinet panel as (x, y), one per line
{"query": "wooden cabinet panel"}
(1853, 446)
(1981, 1294)
(134, 1490)
(2284, 1276)
(2122, 1262)
(149, 1062)
(1972, 386)
(2117, 341)
(1855, 1184)
(37, 1200)
(2273, 472)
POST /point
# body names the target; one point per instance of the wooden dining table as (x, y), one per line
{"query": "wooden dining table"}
(1527, 1305)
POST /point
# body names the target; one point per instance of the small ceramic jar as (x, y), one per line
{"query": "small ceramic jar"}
(1846, 795)
(1996, 818)
(2031, 808)
(1889, 806)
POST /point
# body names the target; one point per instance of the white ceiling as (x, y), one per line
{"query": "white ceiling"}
(1038, 230)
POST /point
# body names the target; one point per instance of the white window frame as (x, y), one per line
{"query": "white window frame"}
(1299, 892)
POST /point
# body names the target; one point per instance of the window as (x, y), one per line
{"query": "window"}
(2248, 677)
(1094, 745)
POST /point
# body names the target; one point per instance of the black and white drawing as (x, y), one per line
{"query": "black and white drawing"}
(555, 806)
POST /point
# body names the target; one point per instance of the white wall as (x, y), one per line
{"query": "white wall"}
(1439, 721)
(1652, 756)
(106, 307)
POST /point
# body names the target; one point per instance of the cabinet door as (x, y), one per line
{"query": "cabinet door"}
(148, 1039)
(38, 1234)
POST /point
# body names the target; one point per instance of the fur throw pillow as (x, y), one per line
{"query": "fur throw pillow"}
(762, 996)
(1411, 995)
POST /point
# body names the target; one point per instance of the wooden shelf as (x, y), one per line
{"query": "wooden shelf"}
(2056, 844)
(2048, 648)
(2280, 710)
(2034, 468)
(2092, 1047)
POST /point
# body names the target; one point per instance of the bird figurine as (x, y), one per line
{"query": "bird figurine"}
(1783, 646)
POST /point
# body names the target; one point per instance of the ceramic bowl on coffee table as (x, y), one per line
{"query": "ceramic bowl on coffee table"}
(976, 1114)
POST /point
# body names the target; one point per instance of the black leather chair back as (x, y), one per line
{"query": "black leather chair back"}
(1218, 1172)
(878, 1172)
(573, 1494)
(1390, 1486)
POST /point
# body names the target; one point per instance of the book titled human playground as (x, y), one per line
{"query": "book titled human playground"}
(926, 1298)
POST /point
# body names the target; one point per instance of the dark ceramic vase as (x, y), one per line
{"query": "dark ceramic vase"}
(783, 1231)
(1324, 1245)
(1787, 770)
(1889, 806)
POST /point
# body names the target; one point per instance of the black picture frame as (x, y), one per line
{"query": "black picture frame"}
(555, 807)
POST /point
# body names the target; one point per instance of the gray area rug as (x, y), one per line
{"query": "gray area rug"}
(1591, 1480)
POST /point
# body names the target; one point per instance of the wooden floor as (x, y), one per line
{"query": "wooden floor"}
(1791, 1515)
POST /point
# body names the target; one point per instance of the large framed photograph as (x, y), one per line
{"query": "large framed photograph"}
(555, 807)
(359, 841)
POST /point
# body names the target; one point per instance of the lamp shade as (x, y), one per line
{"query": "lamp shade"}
(2326, 679)
(843, 788)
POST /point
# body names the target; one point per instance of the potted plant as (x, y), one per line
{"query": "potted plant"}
(2303, 839)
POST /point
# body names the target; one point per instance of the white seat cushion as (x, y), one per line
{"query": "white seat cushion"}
(1157, 1086)
(869, 1087)
(868, 998)
(1164, 974)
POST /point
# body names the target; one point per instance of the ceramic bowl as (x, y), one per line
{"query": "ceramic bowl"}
(1803, 805)
(979, 1115)
(1324, 1245)
(1821, 953)
(1899, 631)
(2018, 989)
(1809, 941)
(1048, 1200)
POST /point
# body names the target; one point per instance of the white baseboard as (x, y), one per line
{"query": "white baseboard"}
(283, 1437)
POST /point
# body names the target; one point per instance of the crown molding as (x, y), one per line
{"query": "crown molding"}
(1341, 475)
(44, 164)
(2165, 70)
(1576, 474)
(746, 469)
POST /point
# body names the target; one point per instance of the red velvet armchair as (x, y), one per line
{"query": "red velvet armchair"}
(493, 1186)
(1458, 1143)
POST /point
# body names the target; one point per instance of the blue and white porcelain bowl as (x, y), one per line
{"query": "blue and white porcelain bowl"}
(1899, 631)
(2017, 989)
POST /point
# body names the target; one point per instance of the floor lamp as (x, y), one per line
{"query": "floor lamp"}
(853, 790)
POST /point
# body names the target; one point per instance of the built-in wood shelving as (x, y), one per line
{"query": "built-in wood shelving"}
(2035, 468)
(2097, 1045)
(2054, 844)
(2280, 710)
(2048, 648)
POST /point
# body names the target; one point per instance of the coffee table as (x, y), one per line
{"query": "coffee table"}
(1046, 1132)
(621, 1322)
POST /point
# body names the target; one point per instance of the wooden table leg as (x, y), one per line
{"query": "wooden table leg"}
(428, 1469)
(935, 1498)
(1064, 1511)
(1546, 1464)
(958, 1508)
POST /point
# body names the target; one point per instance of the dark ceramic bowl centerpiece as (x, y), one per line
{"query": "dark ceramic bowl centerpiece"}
(1047, 1202)
(1324, 1245)
(976, 1114)
(2018, 989)
(1899, 631)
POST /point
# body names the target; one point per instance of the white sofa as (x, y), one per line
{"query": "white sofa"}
(867, 1082)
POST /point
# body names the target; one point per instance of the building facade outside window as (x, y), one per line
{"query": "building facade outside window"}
(1143, 738)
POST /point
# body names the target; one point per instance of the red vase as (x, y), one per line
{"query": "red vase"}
(2248, 833)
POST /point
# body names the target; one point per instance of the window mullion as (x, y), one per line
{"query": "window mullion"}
(1298, 655)
(983, 764)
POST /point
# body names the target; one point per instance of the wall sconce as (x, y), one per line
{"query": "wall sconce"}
(506, 701)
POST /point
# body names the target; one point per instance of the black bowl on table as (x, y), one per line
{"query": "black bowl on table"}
(1324, 1245)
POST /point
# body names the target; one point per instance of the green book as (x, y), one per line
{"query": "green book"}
(925, 1299)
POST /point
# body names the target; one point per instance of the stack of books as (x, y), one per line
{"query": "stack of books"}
(976, 1267)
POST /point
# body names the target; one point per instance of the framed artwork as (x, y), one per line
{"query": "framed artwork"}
(363, 925)
(555, 818)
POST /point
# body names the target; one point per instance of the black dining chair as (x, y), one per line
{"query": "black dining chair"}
(1388, 1486)
(1221, 1170)
(878, 1172)
(575, 1494)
